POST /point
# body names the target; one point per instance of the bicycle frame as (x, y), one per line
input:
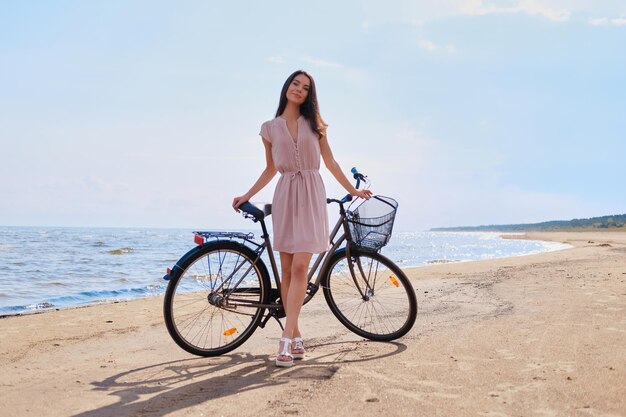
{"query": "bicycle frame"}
(321, 263)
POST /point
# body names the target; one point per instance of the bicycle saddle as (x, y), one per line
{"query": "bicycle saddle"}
(258, 211)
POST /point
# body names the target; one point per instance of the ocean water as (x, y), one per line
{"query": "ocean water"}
(48, 268)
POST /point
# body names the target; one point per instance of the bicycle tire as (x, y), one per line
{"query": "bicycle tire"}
(197, 325)
(384, 312)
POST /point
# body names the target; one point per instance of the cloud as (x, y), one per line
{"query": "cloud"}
(598, 21)
(603, 21)
(434, 48)
(532, 8)
(321, 62)
(418, 13)
(276, 60)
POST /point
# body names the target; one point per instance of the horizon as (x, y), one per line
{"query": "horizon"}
(255, 227)
(466, 112)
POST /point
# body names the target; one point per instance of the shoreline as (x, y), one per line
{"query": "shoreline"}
(95, 302)
(536, 335)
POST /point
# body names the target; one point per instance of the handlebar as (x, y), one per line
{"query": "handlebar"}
(344, 200)
(358, 177)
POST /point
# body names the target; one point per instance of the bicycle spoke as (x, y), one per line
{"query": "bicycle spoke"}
(201, 319)
(386, 309)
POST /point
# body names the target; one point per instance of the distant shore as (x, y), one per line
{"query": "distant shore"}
(541, 334)
(613, 222)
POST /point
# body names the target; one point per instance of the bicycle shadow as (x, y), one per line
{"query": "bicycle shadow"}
(176, 385)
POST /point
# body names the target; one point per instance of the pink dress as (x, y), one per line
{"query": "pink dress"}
(300, 218)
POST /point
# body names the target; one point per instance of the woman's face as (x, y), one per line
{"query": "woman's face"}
(299, 89)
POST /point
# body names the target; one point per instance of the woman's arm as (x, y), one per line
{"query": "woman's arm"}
(266, 176)
(335, 169)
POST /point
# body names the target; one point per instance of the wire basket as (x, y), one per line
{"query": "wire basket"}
(371, 222)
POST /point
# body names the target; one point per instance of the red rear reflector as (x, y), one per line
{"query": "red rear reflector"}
(199, 240)
(169, 271)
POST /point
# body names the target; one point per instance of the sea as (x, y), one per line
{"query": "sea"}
(47, 268)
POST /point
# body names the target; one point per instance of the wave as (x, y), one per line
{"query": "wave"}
(86, 298)
(24, 308)
(120, 251)
(442, 261)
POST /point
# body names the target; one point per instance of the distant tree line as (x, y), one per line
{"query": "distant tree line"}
(604, 222)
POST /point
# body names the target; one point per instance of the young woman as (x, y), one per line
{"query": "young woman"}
(294, 141)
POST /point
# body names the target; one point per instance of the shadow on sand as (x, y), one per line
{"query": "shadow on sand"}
(160, 389)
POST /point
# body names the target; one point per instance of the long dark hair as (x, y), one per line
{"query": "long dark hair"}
(309, 109)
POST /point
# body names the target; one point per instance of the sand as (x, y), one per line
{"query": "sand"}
(538, 335)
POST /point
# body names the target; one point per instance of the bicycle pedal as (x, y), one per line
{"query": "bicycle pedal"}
(312, 288)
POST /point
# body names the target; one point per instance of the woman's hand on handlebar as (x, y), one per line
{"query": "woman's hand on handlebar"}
(364, 194)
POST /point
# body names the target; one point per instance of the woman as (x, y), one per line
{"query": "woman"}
(294, 141)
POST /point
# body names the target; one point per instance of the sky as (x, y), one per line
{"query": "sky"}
(468, 112)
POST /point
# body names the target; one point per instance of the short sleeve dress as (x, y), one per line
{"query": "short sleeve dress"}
(300, 217)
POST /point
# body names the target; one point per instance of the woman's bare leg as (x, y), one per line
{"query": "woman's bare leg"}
(293, 288)
(286, 260)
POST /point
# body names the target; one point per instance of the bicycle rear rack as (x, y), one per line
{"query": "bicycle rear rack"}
(200, 238)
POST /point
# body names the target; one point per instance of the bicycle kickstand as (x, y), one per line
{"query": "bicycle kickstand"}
(268, 317)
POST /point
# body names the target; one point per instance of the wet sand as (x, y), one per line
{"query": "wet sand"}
(537, 335)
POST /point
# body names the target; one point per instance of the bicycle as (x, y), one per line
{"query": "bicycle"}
(220, 291)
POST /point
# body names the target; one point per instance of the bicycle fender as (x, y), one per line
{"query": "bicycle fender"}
(184, 260)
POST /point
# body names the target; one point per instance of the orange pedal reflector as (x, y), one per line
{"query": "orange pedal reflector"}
(394, 281)
(230, 331)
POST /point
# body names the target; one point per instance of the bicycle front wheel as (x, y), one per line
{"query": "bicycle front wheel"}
(376, 301)
(211, 302)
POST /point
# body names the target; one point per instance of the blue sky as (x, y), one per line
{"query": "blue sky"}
(146, 113)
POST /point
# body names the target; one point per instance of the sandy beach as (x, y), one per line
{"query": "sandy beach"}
(537, 335)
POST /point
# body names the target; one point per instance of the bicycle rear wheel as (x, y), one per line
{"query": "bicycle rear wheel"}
(377, 302)
(205, 302)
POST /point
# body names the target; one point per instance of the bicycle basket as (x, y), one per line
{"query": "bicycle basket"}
(371, 222)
